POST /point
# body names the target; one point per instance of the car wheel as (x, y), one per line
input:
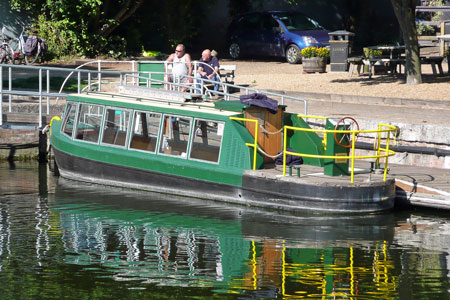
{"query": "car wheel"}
(234, 51)
(293, 55)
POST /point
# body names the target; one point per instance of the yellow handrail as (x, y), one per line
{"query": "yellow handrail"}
(352, 156)
(324, 141)
(255, 144)
(51, 121)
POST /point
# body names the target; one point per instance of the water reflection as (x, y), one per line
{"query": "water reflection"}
(146, 240)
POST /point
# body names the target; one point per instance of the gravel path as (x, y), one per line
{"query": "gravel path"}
(286, 77)
(281, 76)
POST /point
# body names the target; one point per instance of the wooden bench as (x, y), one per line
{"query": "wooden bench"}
(392, 63)
(433, 61)
(355, 62)
(227, 73)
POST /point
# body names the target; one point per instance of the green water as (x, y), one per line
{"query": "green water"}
(63, 239)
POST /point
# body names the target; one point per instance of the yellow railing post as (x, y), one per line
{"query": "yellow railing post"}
(284, 151)
(255, 144)
(377, 162)
(387, 155)
(353, 158)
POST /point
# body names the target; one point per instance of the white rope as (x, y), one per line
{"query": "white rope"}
(268, 132)
(268, 155)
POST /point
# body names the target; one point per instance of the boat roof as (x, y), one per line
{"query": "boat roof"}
(222, 108)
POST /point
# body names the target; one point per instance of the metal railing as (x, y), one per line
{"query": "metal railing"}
(387, 152)
(44, 80)
(95, 77)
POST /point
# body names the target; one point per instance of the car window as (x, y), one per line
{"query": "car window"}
(251, 22)
(298, 21)
(268, 22)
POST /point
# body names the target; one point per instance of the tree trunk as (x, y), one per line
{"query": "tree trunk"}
(405, 11)
(126, 11)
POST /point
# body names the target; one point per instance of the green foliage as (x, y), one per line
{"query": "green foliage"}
(79, 27)
(315, 52)
(371, 53)
(424, 29)
(60, 39)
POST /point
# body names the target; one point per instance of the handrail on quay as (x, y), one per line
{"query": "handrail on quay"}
(46, 71)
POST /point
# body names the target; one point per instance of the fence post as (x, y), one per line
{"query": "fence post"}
(1, 95)
(99, 75)
(79, 83)
(10, 88)
(48, 92)
(40, 98)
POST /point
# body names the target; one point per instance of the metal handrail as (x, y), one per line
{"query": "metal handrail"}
(352, 156)
(44, 86)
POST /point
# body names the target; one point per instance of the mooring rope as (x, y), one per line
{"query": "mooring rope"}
(268, 132)
(268, 155)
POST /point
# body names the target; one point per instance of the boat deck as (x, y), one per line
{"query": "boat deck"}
(314, 175)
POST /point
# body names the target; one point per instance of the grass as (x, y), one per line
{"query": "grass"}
(32, 83)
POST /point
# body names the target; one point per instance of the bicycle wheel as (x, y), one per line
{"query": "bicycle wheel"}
(32, 58)
(9, 58)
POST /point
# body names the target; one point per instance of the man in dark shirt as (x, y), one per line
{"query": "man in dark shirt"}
(208, 68)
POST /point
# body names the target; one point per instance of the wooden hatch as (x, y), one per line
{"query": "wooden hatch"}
(270, 123)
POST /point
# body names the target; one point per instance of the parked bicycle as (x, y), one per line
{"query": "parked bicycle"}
(6, 53)
(28, 48)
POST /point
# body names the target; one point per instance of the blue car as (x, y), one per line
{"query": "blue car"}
(274, 33)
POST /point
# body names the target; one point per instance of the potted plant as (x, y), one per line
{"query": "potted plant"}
(314, 59)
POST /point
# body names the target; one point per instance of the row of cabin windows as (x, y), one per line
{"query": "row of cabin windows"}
(148, 131)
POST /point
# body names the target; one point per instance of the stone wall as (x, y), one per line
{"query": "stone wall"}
(19, 143)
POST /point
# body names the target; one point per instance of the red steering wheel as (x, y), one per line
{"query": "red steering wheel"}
(346, 136)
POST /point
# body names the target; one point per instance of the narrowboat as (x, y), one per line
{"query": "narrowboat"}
(220, 150)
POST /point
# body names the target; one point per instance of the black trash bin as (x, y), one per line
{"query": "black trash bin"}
(340, 47)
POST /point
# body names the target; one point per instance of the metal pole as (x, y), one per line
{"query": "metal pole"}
(40, 98)
(48, 92)
(1, 95)
(79, 82)
(89, 81)
(133, 69)
(10, 88)
(99, 75)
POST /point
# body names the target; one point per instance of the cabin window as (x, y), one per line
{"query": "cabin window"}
(207, 140)
(89, 122)
(69, 121)
(115, 126)
(175, 136)
(145, 131)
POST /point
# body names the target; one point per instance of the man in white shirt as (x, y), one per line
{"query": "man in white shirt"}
(182, 66)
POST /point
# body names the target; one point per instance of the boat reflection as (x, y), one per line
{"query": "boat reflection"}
(169, 240)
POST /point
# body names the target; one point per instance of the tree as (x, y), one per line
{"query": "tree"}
(81, 27)
(405, 11)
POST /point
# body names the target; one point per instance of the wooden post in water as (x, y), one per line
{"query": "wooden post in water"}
(42, 146)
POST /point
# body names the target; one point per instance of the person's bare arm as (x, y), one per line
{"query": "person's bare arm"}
(170, 58)
(188, 61)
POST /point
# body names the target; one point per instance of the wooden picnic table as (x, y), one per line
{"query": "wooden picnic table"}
(391, 49)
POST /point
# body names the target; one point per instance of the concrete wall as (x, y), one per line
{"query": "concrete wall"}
(19, 143)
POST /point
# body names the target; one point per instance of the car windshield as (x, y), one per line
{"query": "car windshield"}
(298, 21)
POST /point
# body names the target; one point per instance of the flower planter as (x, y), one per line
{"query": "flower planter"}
(314, 64)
